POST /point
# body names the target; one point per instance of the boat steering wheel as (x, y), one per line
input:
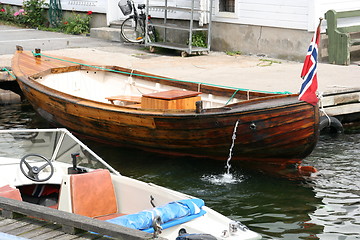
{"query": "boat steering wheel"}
(33, 171)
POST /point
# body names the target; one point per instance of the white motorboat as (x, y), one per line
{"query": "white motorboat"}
(51, 167)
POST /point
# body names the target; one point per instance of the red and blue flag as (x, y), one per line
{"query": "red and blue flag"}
(309, 71)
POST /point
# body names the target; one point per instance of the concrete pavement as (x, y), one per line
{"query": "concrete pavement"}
(249, 72)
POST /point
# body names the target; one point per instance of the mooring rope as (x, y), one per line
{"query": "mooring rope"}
(320, 96)
(160, 78)
(8, 71)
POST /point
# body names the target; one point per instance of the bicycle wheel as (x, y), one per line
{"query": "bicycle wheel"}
(151, 32)
(131, 31)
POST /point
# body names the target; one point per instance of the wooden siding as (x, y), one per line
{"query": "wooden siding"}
(275, 13)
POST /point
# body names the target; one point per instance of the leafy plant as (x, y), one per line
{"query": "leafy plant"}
(199, 39)
(77, 23)
(35, 12)
(20, 17)
(6, 13)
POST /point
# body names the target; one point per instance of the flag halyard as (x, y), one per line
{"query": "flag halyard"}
(309, 71)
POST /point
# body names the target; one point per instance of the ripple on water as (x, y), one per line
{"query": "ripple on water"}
(222, 179)
(338, 185)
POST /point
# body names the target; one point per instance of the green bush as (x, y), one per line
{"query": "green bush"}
(77, 23)
(32, 14)
(199, 39)
(6, 13)
(35, 12)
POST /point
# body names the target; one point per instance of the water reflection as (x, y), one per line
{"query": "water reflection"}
(338, 186)
(326, 207)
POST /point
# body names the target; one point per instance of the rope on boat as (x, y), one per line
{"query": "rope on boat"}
(8, 71)
(232, 96)
(327, 121)
(160, 78)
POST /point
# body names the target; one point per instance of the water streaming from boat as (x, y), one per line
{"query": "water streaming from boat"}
(227, 177)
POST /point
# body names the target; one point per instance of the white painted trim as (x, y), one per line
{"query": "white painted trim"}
(227, 15)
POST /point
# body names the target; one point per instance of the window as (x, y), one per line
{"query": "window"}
(227, 6)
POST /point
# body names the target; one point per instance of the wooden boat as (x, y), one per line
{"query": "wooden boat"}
(52, 168)
(154, 113)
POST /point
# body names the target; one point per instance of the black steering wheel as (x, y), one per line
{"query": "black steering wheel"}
(33, 171)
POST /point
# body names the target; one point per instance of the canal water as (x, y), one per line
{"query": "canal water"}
(326, 206)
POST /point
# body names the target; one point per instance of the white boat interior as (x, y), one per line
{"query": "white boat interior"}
(123, 90)
(52, 168)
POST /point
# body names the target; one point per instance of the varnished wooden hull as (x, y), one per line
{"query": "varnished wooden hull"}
(272, 129)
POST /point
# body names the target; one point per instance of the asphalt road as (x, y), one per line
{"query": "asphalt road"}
(32, 38)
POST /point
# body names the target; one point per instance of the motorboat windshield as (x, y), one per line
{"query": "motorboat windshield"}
(57, 145)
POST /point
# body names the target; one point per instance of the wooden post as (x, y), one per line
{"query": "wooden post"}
(37, 51)
(19, 48)
(199, 106)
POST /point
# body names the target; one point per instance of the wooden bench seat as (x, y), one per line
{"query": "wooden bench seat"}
(341, 38)
(124, 98)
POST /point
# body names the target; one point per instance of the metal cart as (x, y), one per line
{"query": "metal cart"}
(186, 48)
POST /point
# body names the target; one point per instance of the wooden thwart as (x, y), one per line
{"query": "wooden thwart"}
(123, 98)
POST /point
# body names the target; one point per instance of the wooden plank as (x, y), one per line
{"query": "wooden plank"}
(349, 29)
(340, 99)
(47, 229)
(347, 14)
(31, 224)
(6, 221)
(356, 41)
(12, 226)
(65, 237)
(130, 99)
(50, 235)
(343, 109)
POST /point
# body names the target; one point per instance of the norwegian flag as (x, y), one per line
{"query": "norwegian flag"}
(309, 71)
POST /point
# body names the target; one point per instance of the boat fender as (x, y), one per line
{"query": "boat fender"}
(307, 170)
(332, 124)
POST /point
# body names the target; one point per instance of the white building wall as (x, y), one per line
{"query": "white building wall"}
(274, 13)
(98, 6)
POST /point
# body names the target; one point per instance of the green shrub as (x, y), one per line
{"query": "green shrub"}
(77, 23)
(35, 12)
(6, 13)
(199, 39)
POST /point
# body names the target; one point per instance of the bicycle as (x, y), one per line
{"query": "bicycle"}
(133, 28)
